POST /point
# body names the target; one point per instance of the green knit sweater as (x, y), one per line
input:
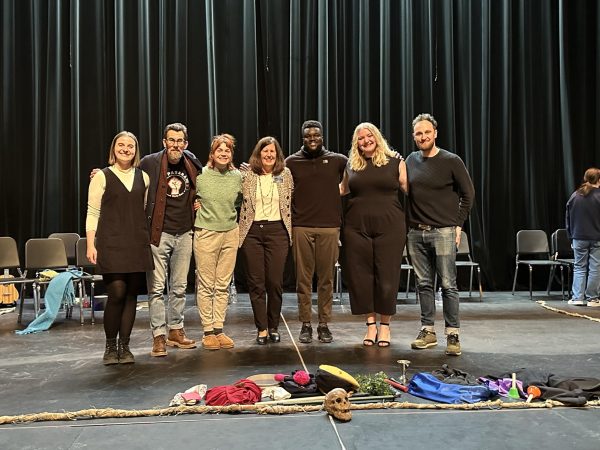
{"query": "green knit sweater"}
(219, 193)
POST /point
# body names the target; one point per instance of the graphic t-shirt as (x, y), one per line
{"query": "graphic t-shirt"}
(178, 211)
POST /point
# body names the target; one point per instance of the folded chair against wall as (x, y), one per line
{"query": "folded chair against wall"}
(85, 265)
(9, 261)
(463, 259)
(533, 243)
(562, 253)
(41, 254)
(70, 241)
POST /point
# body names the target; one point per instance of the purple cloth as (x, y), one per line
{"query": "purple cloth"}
(502, 385)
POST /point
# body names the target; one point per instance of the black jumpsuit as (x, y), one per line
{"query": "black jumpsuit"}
(374, 238)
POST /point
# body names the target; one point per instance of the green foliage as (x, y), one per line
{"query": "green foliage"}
(374, 384)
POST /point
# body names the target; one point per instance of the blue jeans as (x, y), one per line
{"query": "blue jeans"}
(430, 252)
(586, 272)
(171, 259)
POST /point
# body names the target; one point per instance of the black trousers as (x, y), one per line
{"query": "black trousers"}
(265, 251)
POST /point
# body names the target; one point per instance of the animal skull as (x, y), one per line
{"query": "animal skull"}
(338, 405)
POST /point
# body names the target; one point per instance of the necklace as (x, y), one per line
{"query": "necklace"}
(264, 197)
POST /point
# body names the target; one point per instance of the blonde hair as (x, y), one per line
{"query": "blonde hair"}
(112, 159)
(382, 150)
(229, 141)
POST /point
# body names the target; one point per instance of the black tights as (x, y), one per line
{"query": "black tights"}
(119, 312)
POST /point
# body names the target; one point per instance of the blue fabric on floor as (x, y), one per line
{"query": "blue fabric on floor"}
(60, 290)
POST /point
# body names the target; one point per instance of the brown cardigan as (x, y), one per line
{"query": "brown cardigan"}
(285, 189)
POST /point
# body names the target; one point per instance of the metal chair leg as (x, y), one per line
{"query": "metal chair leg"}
(515, 278)
(530, 282)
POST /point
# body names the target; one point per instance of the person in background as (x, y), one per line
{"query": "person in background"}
(216, 238)
(266, 233)
(374, 230)
(316, 219)
(440, 198)
(117, 240)
(583, 228)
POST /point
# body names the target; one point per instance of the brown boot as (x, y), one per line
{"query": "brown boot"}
(224, 341)
(210, 342)
(177, 338)
(158, 346)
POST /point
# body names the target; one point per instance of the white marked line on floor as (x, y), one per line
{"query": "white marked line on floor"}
(332, 422)
(294, 342)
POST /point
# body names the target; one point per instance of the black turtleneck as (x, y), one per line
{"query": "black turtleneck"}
(316, 199)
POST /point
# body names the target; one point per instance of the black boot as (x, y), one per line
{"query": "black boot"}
(125, 355)
(110, 354)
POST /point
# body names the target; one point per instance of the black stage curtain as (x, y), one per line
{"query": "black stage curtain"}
(513, 84)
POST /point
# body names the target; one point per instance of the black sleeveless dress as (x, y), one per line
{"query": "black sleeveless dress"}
(374, 238)
(122, 239)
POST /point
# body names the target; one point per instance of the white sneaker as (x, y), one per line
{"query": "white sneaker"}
(594, 302)
(576, 302)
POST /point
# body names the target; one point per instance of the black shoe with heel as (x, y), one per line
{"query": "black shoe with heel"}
(261, 340)
(370, 342)
(274, 335)
(381, 342)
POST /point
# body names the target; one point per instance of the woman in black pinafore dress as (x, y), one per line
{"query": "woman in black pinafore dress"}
(118, 241)
(374, 230)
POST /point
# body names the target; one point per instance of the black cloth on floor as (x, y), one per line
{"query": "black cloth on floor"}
(455, 376)
(574, 391)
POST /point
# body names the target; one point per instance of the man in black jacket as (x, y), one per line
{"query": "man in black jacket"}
(170, 214)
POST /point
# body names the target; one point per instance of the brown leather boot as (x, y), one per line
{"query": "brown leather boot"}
(177, 338)
(158, 346)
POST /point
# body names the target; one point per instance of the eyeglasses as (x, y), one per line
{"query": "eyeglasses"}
(175, 141)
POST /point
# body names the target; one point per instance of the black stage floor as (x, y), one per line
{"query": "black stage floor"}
(61, 370)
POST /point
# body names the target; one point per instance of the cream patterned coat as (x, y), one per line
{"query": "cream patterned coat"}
(249, 185)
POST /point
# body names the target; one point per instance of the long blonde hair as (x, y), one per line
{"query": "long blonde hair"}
(382, 153)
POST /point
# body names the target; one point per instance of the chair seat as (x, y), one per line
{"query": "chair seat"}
(467, 264)
(537, 262)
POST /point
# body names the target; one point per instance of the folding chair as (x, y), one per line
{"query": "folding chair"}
(70, 240)
(9, 260)
(465, 252)
(41, 254)
(406, 265)
(534, 243)
(562, 253)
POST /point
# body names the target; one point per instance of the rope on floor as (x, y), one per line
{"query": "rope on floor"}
(543, 304)
(110, 413)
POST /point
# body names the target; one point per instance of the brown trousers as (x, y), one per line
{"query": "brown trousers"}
(315, 250)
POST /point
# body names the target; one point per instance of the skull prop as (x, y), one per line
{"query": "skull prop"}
(338, 405)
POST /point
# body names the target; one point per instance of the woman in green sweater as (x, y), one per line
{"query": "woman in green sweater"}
(216, 237)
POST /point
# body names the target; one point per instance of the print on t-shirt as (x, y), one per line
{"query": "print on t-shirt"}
(178, 183)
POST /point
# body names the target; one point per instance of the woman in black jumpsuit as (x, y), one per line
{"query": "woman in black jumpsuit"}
(374, 230)
(118, 241)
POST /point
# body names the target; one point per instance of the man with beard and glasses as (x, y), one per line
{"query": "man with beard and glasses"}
(440, 197)
(170, 216)
(316, 220)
